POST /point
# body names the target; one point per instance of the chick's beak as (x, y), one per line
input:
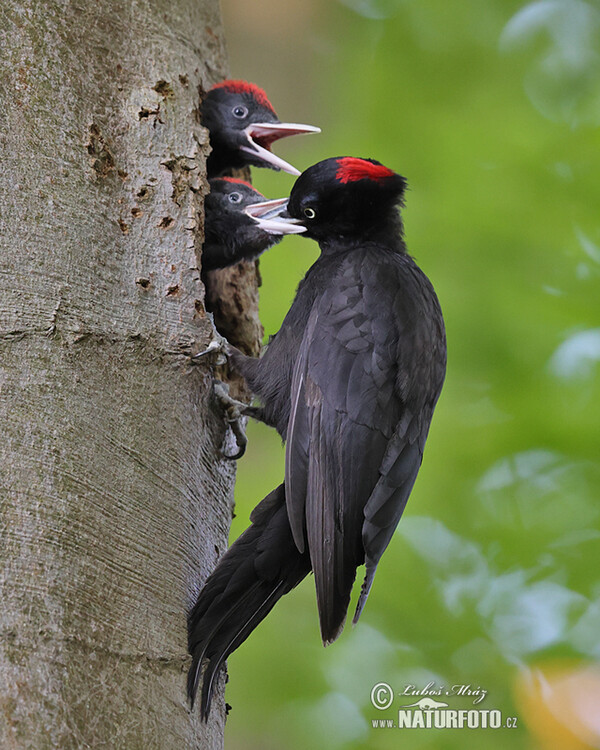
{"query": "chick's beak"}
(261, 135)
(272, 217)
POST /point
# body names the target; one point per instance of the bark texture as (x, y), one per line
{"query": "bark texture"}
(114, 501)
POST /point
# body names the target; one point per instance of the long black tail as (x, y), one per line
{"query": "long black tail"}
(259, 568)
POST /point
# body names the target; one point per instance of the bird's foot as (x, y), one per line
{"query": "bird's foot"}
(216, 352)
(234, 411)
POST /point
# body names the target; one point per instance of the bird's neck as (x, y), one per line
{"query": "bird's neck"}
(222, 160)
(388, 235)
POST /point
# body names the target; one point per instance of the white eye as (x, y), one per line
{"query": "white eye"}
(310, 213)
(235, 197)
(240, 112)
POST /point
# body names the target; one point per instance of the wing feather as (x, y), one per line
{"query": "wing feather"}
(359, 418)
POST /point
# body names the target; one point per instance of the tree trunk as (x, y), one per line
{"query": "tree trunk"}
(115, 503)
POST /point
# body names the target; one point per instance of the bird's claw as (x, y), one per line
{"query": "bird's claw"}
(218, 347)
(240, 439)
(233, 410)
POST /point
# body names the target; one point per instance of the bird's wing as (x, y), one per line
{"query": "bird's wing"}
(358, 424)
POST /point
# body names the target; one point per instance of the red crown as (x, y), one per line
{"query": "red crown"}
(237, 181)
(352, 169)
(243, 87)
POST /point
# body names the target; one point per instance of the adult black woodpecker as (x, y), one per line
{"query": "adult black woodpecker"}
(350, 382)
(230, 235)
(242, 125)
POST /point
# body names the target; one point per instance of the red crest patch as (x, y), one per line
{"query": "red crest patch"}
(237, 181)
(243, 87)
(352, 169)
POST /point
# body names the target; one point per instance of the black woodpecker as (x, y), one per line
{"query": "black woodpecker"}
(230, 235)
(350, 382)
(242, 125)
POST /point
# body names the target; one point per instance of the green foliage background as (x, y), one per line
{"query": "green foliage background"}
(490, 108)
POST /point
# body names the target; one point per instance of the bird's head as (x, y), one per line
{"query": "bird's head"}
(342, 197)
(230, 235)
(224, 209)
(243, 125)
(227, 200)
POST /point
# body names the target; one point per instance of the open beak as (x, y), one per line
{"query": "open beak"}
(261, 135)
(271, 216)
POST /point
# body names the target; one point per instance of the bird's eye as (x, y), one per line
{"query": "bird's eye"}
(310, 213)
(240, 112)
(235, 197)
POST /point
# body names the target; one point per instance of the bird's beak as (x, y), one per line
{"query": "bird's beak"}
(271, 217)
(261, 135)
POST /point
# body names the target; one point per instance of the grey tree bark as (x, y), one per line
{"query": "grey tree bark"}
(114, 501)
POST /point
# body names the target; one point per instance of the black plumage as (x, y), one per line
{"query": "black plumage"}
(230, 235)
(242, 125)
(251, 577)
(350, 382)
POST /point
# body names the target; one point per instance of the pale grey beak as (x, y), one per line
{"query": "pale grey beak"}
(261, 135)
(268, 216)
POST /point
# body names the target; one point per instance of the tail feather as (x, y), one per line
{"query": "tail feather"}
(238, 638)
(204, 640)
(365, 590)
(259, 568)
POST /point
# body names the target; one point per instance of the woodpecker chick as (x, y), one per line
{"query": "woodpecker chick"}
(350, 381)
(243, 125)
(230, 235)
